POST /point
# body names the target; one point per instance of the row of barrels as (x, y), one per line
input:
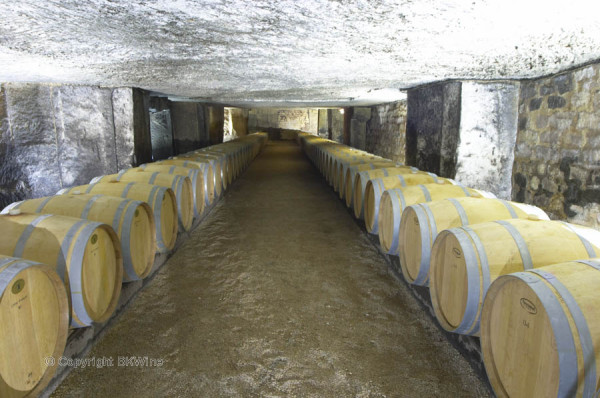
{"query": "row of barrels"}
(499, 270)
(63, 258)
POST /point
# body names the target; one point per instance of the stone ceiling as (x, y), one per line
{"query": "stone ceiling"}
(291, 53)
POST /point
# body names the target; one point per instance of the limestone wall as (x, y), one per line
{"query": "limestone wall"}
(56, 136)
(190, 126)
(487, 135)
(289, 119)
(557, 157)
(386, 131)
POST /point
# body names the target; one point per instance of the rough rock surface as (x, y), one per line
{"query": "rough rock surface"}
(53, 137)
(432, 127)
(488, 131)
(291, 119)
(290, 51)
(386, 132)
(557, 156)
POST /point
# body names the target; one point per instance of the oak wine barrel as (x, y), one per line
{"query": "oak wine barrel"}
(217, 163)
(132, 220)
(85, 254)
(208, 175)
(346, 190)
(540, 331)
(394, 201)
(160, 199)
(465, 260)
(181, 186)
(34, 323)
(362, 178)
(194, 176)
(420, 224)
(376, 186)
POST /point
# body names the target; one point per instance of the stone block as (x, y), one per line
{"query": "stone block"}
(564, 83)
(555, 101)
(547, 88)
(528, 90)
(535, 104)
(541, 121)
(584, 74)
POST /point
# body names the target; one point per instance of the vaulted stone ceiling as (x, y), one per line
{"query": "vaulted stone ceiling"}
(286, 52)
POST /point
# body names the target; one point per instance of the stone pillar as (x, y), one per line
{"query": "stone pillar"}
(358, 127)
(464, 130)
(323, 123)
(161, 129)
(488, 132)
(141, 127)
(347, 125)
(57, 136)
(189, 126)
(239, 119)
(432, 124)
(337, 126)
(216, 118)
(330, 124)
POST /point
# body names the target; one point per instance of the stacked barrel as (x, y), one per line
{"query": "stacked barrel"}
(63, 258)
(498, 270)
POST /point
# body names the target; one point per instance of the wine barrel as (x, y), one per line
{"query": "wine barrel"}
(361, 179)
(420, 223)
(233, 154)
(465, 260)
(160, 199)
(348, 182)
(181, 186)
(217, 163)
(346, 190)
(226, 161)
(343, 164)
(86, 255)
(194, 176)
(376, 186)
(132, 220)
(540, 331)
(208, 175)
(34, 323)
(394, 201)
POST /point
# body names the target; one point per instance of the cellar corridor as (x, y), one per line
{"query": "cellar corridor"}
(278, 292)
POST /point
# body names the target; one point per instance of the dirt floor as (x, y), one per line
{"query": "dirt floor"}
(278, 293)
